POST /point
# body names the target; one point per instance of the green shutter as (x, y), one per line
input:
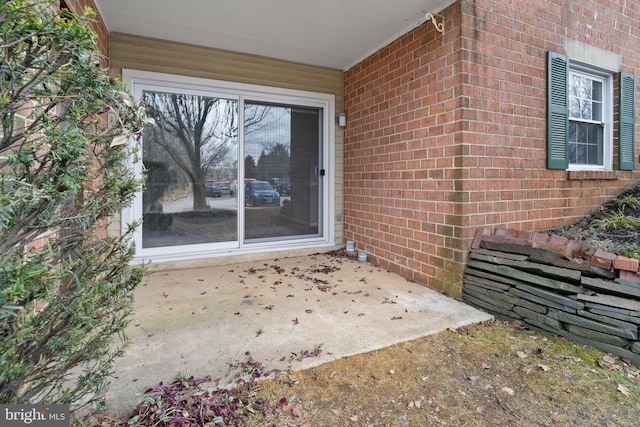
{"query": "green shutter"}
(557, 111)
(627, 123)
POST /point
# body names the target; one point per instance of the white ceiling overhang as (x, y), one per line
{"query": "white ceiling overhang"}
(328, 33)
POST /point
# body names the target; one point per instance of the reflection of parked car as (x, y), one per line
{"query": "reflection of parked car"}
(225, 189)
(213, 189)
(217, 189)
(283, 187)
(258, 193)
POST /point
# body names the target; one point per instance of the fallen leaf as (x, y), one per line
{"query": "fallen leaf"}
(354, 418)
(508, 390)
(486, 366)
(296, 412)
(622, 389)
(521, 354)
(544, 367)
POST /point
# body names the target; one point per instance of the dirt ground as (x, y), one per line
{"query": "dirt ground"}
(484, 375)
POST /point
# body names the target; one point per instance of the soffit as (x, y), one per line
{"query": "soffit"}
(328, 33)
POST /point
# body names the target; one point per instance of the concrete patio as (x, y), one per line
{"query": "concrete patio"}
(203, 321)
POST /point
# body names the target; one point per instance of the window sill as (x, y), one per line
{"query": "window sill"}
(592, 175)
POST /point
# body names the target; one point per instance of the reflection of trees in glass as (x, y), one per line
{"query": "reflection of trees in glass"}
(196, 134)
(274, 163)
(272, 139)
(250, 169)
(585, 98)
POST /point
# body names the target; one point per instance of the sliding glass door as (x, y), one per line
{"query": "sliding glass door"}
(230, 171)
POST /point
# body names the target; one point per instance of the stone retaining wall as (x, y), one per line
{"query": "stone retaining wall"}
(557, 285)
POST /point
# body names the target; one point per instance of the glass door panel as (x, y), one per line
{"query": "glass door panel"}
(190, 157)
(281, 171)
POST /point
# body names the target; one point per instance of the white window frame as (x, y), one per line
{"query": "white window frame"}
(138, 81)
(606, 76)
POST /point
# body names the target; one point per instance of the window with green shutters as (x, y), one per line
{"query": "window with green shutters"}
(580, 116)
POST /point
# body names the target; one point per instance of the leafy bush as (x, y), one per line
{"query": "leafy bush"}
(65, 285)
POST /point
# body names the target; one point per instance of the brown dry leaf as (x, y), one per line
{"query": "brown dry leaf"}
(508, 390)
(622, 389)
(296, 412)
(521, 354)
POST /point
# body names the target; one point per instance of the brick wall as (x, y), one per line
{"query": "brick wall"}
(447, 132)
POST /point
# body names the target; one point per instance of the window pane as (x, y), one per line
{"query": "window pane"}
(190, 157)
(585, 143)
(585, 98)
(282, 181)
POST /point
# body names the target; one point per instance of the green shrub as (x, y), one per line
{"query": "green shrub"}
(617, 221)
(626, 202)
(65, 287)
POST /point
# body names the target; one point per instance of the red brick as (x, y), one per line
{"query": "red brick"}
(501, 232)
(540, 238)
(478, 237)
(626, 264)
(606, 255)
(524, 235)
(557, 240)
(628, 275)
(603, 259)
(505, 239)
(601, 262)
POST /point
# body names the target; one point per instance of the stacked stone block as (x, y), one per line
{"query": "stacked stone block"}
(559, 286)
